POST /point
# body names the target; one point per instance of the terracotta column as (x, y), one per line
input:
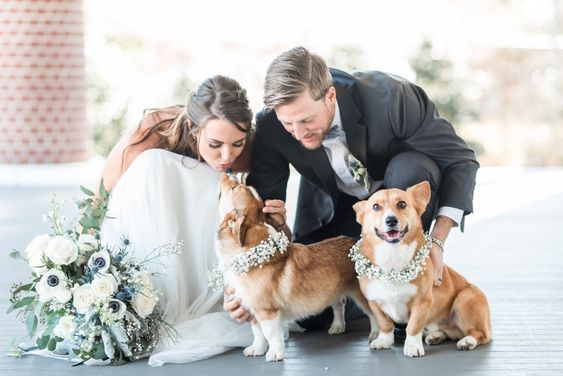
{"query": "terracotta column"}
(42, 82)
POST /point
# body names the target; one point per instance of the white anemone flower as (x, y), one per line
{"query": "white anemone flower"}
(99, 262)
(53, 285)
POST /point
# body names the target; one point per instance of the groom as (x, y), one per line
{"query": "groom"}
(349, 135)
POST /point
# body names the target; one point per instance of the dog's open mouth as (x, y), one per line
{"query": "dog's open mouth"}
(392, 236)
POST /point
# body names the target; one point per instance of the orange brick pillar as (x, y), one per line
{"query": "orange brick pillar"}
(42, 82)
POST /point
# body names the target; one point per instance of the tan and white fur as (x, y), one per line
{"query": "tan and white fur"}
(392, 233)
(301, 282)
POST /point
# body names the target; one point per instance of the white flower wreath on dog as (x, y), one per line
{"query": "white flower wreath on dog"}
(394, 277)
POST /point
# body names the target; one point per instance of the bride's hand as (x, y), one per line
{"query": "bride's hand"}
(233, 305)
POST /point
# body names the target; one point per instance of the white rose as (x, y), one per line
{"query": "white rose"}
(35, 251)
(53, 285)
(37, 245)
(83, 298)
(144, 278)
(61, 251)
(143, 303)
(37, 264)
(66, 327)
(87, 242)
(100, 261)
(104, 285)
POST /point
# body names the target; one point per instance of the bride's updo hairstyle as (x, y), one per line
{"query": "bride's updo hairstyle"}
(218, 97)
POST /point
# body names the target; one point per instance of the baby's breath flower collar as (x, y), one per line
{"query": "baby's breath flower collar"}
(392, 277)
(255, 257)
(260, 254)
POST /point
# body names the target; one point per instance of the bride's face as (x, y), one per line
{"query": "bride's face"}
(220, 143)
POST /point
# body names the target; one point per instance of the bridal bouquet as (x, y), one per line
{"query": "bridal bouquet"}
(84, 299)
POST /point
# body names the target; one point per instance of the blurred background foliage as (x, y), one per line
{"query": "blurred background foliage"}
(493, 67)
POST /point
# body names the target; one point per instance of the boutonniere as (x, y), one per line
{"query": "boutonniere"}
(358, 171)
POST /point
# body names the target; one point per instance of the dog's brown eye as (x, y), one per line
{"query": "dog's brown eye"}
(376, 207)
(401, 204)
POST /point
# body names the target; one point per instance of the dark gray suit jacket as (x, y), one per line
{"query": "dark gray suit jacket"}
(382, 115)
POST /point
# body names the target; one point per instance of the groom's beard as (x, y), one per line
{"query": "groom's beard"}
(314, 140)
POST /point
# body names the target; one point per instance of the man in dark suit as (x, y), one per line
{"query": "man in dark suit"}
(349, 135)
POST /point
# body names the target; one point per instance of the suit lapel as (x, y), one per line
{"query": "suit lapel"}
(319, 161)
(355, 132)
(355, 137)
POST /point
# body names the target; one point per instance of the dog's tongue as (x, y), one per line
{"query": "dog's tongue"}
(392, 235)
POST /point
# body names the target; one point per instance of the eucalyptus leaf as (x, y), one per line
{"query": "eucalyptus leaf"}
(89, 222)
(98, 213)
(26, 287)
(99, 354)
(31, 324)
(52, 345)
(103, 192)
(23, 302)
(42, 342)
(16, 255)
(86, 191)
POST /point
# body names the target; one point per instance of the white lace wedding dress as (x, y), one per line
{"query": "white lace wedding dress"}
(164, 197)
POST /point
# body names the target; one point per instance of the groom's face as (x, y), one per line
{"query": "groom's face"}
(308, 120)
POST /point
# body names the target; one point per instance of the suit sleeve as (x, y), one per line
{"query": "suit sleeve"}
(269, 168)
(416, 121)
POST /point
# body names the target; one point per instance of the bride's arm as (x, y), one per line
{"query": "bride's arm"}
(124, 152)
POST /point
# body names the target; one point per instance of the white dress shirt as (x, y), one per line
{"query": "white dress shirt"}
(336, 149)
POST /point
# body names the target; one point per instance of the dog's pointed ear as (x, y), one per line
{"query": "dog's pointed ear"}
(421, 194)
(238, 225)
(359, 209)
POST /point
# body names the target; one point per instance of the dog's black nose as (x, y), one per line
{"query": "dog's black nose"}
(391, 221)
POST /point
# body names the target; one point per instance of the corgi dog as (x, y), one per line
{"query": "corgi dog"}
(277, 280)
(396, 276)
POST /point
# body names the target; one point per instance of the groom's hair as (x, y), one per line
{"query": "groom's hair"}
(291, 74)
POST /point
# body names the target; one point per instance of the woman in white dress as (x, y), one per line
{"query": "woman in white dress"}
(163, 179)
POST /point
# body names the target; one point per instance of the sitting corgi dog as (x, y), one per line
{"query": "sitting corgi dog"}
(277, 280)
(396, 276)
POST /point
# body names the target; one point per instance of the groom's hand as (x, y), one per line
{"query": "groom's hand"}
(233, 305)
(275, 207)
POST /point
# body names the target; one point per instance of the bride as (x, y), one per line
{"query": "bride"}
(163, 179)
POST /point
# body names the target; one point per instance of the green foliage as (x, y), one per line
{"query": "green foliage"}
(93, 208)
(182, 87)
(108, 120)
(348, 58)
(436, 77)
(15, 254)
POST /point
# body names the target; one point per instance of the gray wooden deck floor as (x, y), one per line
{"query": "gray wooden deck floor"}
(512, 250)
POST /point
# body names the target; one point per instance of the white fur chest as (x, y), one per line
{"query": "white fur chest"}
(392, 300)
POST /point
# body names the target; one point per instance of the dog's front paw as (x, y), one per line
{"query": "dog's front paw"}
(274, 355)
(373, 335)
(383, 341)
(254, 350)
(435, 338)
(337, 328)
(467, 343)
(413, 346)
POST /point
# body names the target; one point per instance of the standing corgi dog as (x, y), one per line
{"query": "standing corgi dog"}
(277, 280)
(396, 276)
